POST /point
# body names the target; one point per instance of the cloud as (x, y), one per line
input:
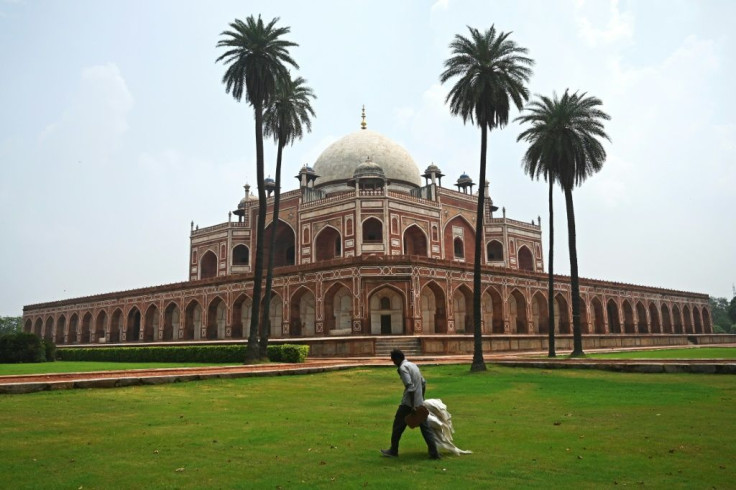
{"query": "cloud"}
(440, 5)
(617, 27)
(92, 127)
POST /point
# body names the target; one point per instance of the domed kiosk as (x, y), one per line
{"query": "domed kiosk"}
(336, 165)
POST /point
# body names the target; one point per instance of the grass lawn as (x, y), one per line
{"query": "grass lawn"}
(87, 366)
(528, 428)
(692, 353)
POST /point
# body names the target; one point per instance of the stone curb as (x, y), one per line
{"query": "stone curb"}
(627, 367)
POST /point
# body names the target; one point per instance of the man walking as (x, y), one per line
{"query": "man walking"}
(414, 387)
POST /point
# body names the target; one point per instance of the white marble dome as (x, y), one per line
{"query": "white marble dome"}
(336, 165)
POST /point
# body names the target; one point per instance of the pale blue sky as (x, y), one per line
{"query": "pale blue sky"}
(116, 132)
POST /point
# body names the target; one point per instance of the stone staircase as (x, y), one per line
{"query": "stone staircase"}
(410, 346)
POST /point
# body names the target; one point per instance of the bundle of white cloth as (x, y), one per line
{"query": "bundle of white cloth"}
(440, 423)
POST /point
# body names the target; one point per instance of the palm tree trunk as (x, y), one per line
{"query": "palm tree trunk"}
(577, 349)
(265, 330)
(252, 352)
(478, 362)
(551, 290)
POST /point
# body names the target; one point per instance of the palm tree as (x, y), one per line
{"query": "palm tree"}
(286, 118)
(492, 72)
(565, 145)
(539, 163)
(255, 57)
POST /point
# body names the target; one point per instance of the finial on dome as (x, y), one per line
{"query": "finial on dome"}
(363, 124)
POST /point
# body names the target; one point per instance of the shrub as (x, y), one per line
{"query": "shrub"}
(21, 347)
(288, 353)
(50, 350)
(184, 353)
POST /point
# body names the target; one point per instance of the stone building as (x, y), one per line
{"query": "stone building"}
(368, 246)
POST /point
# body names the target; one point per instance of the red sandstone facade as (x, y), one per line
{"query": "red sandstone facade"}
(377, 254)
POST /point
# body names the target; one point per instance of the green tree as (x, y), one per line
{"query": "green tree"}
(10, 324)
(719, 309)
(567, 133)
(286, 118)
(542, 159)
(732, 310)
(491, 73)
(255, 57)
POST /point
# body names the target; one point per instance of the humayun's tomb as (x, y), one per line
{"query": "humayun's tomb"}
(370, 252)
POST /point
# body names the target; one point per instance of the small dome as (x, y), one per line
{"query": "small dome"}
(269, 183)
(241, 204)
(368, 169)
(464, 179)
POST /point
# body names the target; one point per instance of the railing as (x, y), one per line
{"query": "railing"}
(221, 226)
(509, 221)
(329, 200)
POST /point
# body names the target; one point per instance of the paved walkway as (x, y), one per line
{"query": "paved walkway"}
(17, 384)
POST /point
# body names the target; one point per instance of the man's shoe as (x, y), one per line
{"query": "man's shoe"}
(388, 453)
(435, 456)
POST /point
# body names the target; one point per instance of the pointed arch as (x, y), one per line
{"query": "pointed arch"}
(462, 308)
(676, 319)
(641, 316)
(216, 318)
(687, 320)
(172, 321)
(599, 325)
(562, 314)
(284, 246)
(697, 320)
(133, 325)
(629, 326)
(656, 327)
(415, 241)
(242, 307)
(38, 328)
(28, 326)
(87, 332)
(494, 251)
(73, 334)
(151, 324)
(116, 326)
(101, 326)
(434, 311)
(386, 310)
(459, 237)
(327, 244)
(492, 305)
(338, 310)
(302, 309)
(372, 230)
(526, 259)
(241, 255)
(666, 319)
(517, 312)
(192, 321)
(208, 265)
(48, 331)
(275, 315)
(540, 314)
(614, 322)
(60, 330)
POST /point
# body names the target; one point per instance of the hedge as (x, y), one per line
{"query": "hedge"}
(182, 353)
(24, 347)
(287, 353)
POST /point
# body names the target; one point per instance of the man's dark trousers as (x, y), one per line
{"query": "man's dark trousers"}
(400, 426)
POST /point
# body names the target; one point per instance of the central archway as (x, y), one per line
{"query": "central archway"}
(303, 313)
(387, 312)
(415, 243)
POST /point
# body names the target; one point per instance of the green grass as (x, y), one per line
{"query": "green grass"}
(87, 366)
(528, 429)
(692, 353)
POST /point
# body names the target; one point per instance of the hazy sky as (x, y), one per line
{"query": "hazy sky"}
(116, 131)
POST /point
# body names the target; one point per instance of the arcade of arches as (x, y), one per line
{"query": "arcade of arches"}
(439, 308)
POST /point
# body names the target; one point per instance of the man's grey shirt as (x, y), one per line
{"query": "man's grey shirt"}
(413, 384)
